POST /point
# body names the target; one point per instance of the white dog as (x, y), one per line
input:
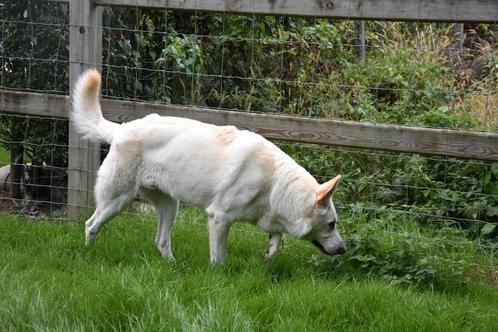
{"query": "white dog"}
(231, 174)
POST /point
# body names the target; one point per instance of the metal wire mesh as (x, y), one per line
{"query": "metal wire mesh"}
(427, 76)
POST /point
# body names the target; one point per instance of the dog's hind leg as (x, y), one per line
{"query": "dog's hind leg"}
(167, 209)
(105, 211)
(116, 185)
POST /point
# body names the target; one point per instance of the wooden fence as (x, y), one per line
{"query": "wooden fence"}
(86, 51)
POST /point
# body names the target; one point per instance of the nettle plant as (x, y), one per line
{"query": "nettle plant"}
(403, 255)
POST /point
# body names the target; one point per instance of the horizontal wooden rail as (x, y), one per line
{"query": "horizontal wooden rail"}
(453, 143)
(485, 11)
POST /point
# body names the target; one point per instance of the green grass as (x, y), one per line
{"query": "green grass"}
(50, 281)
(4, 156)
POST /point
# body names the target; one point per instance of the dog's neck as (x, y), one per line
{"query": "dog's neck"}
(293, 194)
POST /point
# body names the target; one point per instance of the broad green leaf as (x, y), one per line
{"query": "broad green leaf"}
(487, 229)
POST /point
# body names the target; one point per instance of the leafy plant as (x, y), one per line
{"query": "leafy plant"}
(403, 253)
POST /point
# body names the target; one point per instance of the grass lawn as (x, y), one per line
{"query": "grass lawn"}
(4, 156)
(50, 281)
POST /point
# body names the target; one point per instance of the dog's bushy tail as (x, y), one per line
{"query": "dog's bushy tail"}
(86, 115)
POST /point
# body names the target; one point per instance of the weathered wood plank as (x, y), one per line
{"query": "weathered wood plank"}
(485, 11)
(453, 143)
(35, 104)
(402, 10)
(85, 50)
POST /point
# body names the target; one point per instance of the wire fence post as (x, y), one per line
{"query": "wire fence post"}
(85, 51)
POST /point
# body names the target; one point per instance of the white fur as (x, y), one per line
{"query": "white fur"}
(86, 115)
(231, 174)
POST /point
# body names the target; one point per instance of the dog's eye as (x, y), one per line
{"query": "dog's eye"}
(332, 225)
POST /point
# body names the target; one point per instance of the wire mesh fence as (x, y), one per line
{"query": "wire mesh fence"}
(412, 73)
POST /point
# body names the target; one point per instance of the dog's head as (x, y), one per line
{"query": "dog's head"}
(322, 223)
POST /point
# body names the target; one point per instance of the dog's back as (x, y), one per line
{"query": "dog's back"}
(199, 163)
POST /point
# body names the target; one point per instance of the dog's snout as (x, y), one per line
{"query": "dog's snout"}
(331, 252)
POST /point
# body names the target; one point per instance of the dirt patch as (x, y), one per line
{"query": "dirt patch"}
(28, 208)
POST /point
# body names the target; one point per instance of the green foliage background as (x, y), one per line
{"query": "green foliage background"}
(413, 73)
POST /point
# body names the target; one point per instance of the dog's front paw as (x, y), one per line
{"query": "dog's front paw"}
(273, 246)
(267, 257)
(166, 253)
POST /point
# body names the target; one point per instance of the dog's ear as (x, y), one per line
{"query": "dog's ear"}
(325, 191)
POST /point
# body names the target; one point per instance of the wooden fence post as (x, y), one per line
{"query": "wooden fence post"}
(459, 32)
(85, 51)
(360, 39)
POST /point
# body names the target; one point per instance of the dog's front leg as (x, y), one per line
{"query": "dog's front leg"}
(273, 246)
(218, 235)
(167, 209)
